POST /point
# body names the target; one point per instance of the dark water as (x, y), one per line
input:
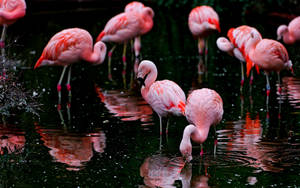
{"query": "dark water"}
(109, 137)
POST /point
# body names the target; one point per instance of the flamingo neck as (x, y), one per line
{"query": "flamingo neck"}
(97, 55)
(147, 23)
(196, 133)
(288, 38)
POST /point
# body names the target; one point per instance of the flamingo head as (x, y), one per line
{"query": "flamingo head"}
(146, 68)
(281, 31)
(186, 149)
(289, 65)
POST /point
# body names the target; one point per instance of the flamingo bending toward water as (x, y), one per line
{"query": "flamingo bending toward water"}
(204, 107)
(165, 97)
(67, 47)
(270, 55)
(124, 27)
(203, 20)
(237, 45)
(290, 33)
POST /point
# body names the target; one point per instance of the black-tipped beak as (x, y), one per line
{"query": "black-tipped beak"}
(141, 81)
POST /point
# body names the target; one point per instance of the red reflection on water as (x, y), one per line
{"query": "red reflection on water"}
(161, 171)
(70, 148)
(246, 138)
(291, 89)
(125, 105)
(12, 140)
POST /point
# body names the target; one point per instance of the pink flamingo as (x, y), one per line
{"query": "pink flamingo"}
(10, 12)
(203, 20)
(237, 45)
(67, 47)
(135, 6)
(270, 55)
(290, 33)
(204, 107)
(165, 97)
(124, 27)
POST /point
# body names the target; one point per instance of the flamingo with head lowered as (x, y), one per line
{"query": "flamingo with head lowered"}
(291, 33)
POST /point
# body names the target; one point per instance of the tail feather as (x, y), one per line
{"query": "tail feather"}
(100, 36)
(39, 61)
(250, 64)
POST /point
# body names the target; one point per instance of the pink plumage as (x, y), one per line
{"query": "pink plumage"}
(165, 97)
(204, 107)
(11, 11)
(134, 6)
(70, 46)
(290, 33)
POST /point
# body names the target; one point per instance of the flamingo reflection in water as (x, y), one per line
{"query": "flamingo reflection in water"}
(291, 90)
(12, 140)
(162, 171)
(126, 105)
(246, 139)
(71, 148)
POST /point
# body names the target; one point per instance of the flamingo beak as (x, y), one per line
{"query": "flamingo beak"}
(141, 81)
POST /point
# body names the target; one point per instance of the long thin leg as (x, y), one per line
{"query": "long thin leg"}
(279, 86)
(68, 83)
(251, 77)
(124, 65)
(137, 46)
(242, 76)
(109, 62)
(2, 46)
(206, 52)
(216, 141)
(160, 124)
(201, 148)
(268, 87)
(59, 87)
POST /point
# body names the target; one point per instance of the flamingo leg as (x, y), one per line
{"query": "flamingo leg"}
(160, 125)
(59, 87)
(206, 52)
(137, 46)
(2, 46)
(216, 141)
(279, 86)
(242, 76)
(201, 148)
(268, 87)
(109, 61)
(69, 87)
(167, 128)
(251, 77)
(124, 65)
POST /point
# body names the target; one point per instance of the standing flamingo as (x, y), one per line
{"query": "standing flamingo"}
(290, 33)
(165, 97)
(204, 107)
(237, 45)
(67, 47)
(270, 55)
(124, 27)
(135, 6)
(10, 12)
(203, 20)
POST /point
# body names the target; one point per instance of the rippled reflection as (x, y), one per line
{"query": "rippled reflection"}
(126, 104)
(242, 140)
(162, 171)
(291, 90)
(12, 140)
(71, 148)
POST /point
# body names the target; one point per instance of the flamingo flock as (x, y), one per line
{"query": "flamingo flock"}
(203, 107)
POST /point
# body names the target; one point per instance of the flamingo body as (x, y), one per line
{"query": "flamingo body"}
(290, 33)
(203, 20)
(70, 46)
(134, 6)
(270, 55)
(127, 25)
(204, 107)
(11, 11)
(165, 97)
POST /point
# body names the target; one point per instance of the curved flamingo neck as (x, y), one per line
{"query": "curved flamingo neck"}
(151, 77)
(97, 55)
(147, 20)
(196, 133)
(288, 38)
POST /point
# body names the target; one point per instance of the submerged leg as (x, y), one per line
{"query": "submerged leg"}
(124, 65)
(59, 87)
(109, 62)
